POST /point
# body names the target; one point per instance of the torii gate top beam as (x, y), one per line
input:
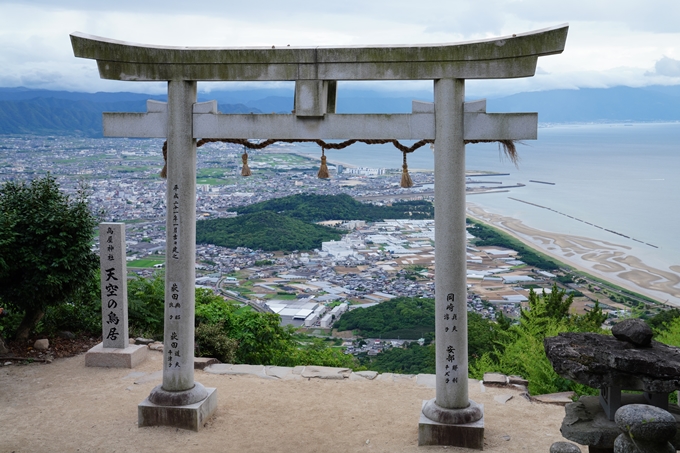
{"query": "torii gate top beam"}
(508, 57)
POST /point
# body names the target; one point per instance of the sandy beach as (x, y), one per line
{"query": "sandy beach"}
(67, 407)
(607, 260)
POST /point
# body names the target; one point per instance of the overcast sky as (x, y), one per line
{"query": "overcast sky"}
(610, 43)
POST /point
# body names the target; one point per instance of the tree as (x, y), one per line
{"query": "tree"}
(45, 247)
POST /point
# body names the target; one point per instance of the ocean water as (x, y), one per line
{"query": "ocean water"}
(622, 177)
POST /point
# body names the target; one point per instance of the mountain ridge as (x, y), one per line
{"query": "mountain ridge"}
(46, 112)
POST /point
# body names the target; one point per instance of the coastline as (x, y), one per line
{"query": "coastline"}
(318, 157)
(607, 260)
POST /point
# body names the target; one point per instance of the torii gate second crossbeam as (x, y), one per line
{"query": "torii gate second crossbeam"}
(450, 418)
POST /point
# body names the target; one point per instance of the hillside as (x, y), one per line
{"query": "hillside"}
(45, 112)
(317, 208)
(413, 318)
(264, 230)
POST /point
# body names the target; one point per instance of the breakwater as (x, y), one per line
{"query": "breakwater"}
(583, 221)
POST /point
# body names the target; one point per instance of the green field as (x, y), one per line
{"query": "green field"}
(214, 176)
(146, 262)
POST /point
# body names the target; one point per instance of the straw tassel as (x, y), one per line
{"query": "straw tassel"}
(164, 171)
(245, 171)
(406, 181)
(323, 168)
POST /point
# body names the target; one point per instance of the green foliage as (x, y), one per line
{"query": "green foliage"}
(402, 317)
(212, 341)
(413, 318)
(226, 331)
(315, 351)
(661, 321)
(488, 236)
(520, 349)
(45, 247)
(669, 333)
(413, 359)
(146, 306)
(82, 313)
(318, 208)
(264, 230)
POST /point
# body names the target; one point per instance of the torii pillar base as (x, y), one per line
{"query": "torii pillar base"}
(465, 435)
(190, 416)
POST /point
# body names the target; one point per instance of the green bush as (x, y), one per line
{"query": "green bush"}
(212, 341)
(520, 350)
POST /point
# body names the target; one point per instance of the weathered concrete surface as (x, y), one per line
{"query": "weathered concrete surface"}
(469, 435)
(180, 272)
(324, 372)
(450, 258)
(192, 416)
(506, 57)
(129, 357)
(601, 361)
(478, 125)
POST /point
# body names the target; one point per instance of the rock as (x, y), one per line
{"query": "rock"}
(561, 398)
(370, 375)
(324, 372)
(624, 444)
(564, 447)
(156, 346)
(601, 361)
(7, 363)
(146, 341)
(517, 380)
(634, 331)
(65, 334)
(201, 362)
(646, 423)
(42, 345)
(495, 379)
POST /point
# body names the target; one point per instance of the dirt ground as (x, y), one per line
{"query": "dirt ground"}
(65, 407)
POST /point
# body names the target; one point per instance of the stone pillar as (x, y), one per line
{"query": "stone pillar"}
(113, 285)
(451, 418)
(115, 349)
(179, 387)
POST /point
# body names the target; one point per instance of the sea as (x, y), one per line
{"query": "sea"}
(622, 177)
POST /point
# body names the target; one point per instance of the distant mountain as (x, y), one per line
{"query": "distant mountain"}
(595, 104)
(44, 112)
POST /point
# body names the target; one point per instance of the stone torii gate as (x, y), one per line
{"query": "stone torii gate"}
(450, 418)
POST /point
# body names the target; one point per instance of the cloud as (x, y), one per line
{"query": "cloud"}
(605, 35)
(666, 67)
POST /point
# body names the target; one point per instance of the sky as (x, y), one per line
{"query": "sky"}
(611, 42)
